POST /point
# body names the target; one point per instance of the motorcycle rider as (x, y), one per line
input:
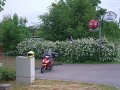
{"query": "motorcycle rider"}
(51, 54)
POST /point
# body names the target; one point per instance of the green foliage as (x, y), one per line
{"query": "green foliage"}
(7, 74)
(111, 31)
(2, 3)
(69, 18)
(100, 12)
(80, 51)
(95, 2)
(13, 31)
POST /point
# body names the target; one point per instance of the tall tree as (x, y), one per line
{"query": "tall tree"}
(68, 18)
(13, 32)
(111, 30)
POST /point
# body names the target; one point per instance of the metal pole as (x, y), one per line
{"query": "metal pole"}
(101, 24)
(99, 42)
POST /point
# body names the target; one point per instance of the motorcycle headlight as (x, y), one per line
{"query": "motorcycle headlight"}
(46, 56)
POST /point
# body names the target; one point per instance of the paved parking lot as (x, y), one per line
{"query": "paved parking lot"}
(108, 74)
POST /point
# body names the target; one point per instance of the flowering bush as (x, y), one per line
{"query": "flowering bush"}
(79, 51)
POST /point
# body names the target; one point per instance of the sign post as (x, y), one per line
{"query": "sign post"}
(94, 24)
(99, 40)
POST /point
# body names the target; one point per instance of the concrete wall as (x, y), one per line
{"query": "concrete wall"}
(25, 70)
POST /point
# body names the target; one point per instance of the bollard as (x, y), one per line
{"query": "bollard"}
(25, 70)
(5, 87)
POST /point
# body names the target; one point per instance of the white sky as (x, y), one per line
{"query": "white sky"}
(31, 9)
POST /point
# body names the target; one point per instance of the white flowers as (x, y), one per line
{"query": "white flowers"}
(81, 50)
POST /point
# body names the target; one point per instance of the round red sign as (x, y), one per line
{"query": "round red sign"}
(93, 24)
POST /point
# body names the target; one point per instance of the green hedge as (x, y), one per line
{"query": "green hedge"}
(79, 51)
(7, 74)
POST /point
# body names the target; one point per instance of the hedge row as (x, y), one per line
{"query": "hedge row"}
(79, 51)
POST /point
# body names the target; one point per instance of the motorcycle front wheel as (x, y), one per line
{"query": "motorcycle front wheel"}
(42, 69)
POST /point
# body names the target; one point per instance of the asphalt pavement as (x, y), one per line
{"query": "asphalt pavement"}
(108, 74)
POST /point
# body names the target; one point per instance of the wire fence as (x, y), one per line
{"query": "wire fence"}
(10, 61)
(6, 60)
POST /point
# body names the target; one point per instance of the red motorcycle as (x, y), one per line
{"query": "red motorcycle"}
(48, 62)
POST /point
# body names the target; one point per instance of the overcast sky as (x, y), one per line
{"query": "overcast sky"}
(31, 9)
